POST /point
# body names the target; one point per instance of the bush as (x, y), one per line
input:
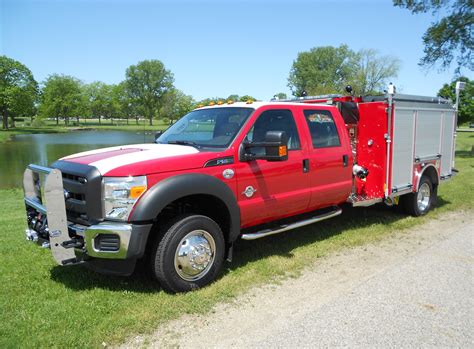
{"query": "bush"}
(37, 122)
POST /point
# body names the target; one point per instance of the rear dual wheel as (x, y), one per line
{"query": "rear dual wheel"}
(189, 255)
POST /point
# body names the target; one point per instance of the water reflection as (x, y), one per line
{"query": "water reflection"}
(43, 149)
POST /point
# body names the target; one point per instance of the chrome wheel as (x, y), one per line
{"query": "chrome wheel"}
(423, 197)
(195, 255)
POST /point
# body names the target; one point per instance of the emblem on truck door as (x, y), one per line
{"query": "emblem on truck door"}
(249, 191)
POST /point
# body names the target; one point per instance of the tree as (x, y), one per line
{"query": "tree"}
(450, 36)
(281, 95)
(234, 98)
(322, 70)
(466, 98)
(328, 69)
(147, 83)
(247, 98)
(18, 90)
(176, 104)
(96, 96)
(122, 102)
(372, 72)
(62, 97)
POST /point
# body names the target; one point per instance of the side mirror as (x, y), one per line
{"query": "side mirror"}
(275, 146)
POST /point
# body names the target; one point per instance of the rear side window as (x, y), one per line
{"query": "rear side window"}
(322, 128)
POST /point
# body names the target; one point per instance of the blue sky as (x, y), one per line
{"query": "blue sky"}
(213, 48)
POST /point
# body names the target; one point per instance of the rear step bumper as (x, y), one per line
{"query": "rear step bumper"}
(260, 234)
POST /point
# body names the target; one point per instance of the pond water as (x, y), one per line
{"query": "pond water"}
(44, 149)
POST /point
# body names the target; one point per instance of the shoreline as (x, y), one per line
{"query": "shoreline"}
(6, 135)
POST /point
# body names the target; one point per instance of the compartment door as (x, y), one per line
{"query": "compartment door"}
(403, 148)
(447, 143)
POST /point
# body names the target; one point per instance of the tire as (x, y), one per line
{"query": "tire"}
(189, 255)
(419, 203)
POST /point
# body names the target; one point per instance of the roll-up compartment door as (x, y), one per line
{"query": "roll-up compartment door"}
(402, 143)
(428, 134)
(447, 143)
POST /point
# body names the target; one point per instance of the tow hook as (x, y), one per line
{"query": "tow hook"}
(74, 243)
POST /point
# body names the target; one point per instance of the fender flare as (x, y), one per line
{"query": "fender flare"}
(173, 188)
(422, 173)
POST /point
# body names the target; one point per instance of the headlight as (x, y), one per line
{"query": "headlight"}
(120, 194)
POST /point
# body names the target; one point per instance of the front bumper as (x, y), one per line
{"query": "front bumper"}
(72, 243)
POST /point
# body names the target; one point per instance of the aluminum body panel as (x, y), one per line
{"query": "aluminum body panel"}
(403, 148)
(428, 133)
(447, 143)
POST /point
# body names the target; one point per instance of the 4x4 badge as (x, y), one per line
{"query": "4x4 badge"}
(249, 191)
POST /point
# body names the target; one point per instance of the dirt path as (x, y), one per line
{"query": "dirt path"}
(413, 289)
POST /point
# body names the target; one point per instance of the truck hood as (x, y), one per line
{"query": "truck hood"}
(128, 157)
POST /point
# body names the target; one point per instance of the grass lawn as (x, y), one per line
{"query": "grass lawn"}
(42, 304)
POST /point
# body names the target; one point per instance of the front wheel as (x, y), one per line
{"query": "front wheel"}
(419, 203)
(190, 254)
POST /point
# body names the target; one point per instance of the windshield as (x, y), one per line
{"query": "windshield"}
(213, 127)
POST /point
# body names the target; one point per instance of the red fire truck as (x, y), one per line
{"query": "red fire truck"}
(238, 170)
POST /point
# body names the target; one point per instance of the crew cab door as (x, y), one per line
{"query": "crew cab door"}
(330, 169)
(270, 190)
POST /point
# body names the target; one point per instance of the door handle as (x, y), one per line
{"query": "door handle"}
(305, 165)
(345, 160)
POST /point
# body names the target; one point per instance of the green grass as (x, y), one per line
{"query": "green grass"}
(50, 127)
(42, 304)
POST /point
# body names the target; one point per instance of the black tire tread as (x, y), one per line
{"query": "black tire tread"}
(409, 201)
(158, 259)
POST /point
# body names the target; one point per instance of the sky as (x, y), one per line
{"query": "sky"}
(213, 48)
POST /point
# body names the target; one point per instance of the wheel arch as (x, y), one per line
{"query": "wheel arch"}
(216, 195)
(431, 172)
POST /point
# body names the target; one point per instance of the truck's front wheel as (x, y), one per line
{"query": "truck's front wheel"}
(189, 255)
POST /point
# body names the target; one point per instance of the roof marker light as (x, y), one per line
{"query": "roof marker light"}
(220, 102)
(230, 101)
(212, 103)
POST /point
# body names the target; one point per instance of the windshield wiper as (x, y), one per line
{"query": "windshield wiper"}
(182, 142)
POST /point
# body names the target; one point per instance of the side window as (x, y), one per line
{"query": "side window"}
(322, 128)
(275, 120)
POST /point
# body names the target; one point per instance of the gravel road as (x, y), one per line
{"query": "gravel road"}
(414, 289)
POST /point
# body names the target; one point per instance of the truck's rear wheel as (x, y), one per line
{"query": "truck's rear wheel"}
(189, 255)
(419, 203)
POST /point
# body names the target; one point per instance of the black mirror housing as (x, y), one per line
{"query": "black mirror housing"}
(275, 144)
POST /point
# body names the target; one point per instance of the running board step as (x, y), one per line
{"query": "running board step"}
(260, 234)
